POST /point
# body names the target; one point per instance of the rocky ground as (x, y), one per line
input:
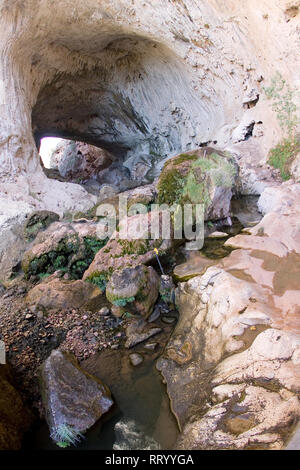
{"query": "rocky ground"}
(233, 356)
(30, 337)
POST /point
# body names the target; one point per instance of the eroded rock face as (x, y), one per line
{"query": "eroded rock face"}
(144, 82)
(73, 399)
(16, 419)
(79, 160)
(232, 367)
(138, 85)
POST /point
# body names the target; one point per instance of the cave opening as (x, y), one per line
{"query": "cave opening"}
(81, 163)
(135, 104)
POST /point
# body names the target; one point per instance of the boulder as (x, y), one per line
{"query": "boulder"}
(15, 417)
(55, 293)
(260, 243)
(134, 289)
(133, 248)
(281, 199)
(203, 176)
(74, 400)
(78, 160)
(68, 247)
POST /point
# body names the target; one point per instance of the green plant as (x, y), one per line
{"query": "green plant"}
(282, 96)
(100, 280)
(66, 435)
(282, 155)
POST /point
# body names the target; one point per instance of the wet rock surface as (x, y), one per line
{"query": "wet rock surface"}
(72, 398)
(139, 331)
(231, 365)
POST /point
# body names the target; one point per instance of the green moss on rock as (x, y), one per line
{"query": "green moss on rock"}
(192, 177)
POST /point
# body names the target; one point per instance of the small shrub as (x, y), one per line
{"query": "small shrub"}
(282, 96)
(283, 154)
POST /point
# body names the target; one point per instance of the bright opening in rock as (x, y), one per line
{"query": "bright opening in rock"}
(81, 163)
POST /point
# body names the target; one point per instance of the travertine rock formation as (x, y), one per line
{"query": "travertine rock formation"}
(232, 363)
(144, 80)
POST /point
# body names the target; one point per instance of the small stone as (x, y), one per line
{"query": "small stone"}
(28, 316)
(136, 359)
(154, 315)
(95, 334)
(115, 346)
(39, 314)
(151, 346)
(104, 311)
(218, 235)
(85, 317)
(117, 311)
(168, 320)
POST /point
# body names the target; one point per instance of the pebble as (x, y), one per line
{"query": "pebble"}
(28, 316)
(136, 359)
(168, 320)
(104, 311)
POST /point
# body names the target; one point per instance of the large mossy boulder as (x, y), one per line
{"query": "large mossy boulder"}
(134, 290)
(74, 400)
(204, 176)
(15, 417)
(66, 247)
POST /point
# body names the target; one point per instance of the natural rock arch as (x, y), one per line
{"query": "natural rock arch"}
(138, 103)
(170, 75)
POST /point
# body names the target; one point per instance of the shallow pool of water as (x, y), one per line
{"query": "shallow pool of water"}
(141, 417)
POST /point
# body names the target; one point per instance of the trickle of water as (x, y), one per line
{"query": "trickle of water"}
(130, 436)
